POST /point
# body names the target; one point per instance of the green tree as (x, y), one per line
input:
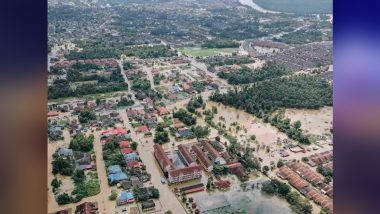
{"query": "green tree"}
(63, 198)
(155, 193)
(134, 145)
(86, 116)
(113, 196)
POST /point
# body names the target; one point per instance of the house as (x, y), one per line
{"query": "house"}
(222, 184)
(87, 208)
(117, 177)
(162, 110)
(126, 184)
(184, 133)
(114, 169)
(185, 174)
(117, 131)
(306, 173)
(162, 158)
(205, 162)
(293, 178)
(66, 211)
(65, 152)
(178, 124)
(142, 129)
(185, 156)
(133, 164)
(175, 89)
(52, 114)
(185, 86)
(238, 170)
(124, 144)
(127, 150)
(145, 193)
(135, 181)
(321, 158)
(151, 123)
(125, 198)
(131, 156)
(83, 161)
(148, 205)
(132, 114)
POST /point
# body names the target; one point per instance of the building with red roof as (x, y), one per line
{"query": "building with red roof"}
(52, 114)
(306, 173)
(117, 131)
(213, 154)
(162, 158)
(185, 174)
(176, 175)
(127, 150)
(133, 164)
(185, 156)
(162, 110)
(205, 162)
(124, 144)
(142, 129)
(222, 184)
(87, 208)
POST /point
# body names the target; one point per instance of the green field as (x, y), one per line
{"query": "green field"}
(207, 51)
(297, 6)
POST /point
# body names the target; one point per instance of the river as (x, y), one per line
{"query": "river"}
(256, 7)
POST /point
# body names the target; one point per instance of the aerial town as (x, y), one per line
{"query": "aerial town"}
(193, 106)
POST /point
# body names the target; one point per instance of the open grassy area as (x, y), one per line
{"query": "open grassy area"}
(207, 51)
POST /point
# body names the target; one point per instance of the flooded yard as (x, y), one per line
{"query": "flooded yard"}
(315, 122)
(240, 198)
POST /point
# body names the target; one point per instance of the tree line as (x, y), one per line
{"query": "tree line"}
(246, 75)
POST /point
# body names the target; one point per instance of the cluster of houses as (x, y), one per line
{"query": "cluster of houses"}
(116, 173)
(298, 176)
(100, 62)
(83, 208)
(320, 158)
(82, 160)
(132, 175)
(144, 117)
(78, 106)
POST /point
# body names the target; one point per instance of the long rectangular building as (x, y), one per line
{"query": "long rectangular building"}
(193, 171)
(205, 162)
(162, 158)
(185, 174)
(185, 156)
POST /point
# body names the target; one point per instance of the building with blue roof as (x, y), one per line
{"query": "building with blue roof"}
(117, 177)
(114, 169)
(131, 157)
(125, 198)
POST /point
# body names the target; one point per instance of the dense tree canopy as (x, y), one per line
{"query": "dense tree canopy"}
(301, 91)
(185, 117)
(220, 43)
(246, 75)
(82, 143)
(86, 116)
